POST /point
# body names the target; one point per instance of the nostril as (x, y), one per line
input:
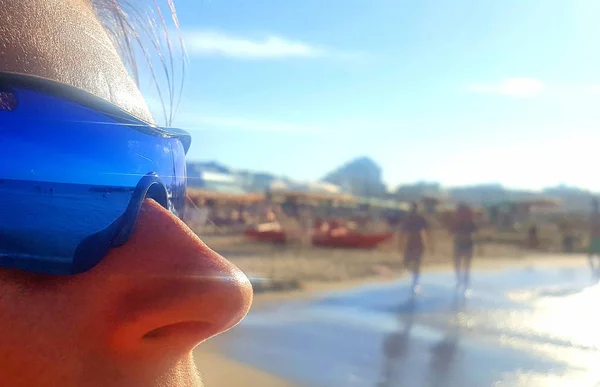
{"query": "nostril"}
(186, 328)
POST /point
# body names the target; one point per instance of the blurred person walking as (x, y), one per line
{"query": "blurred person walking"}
(594, 246)
(463, 228)
(415, 239)
(533, 241)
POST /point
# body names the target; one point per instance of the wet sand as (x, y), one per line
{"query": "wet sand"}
(297, 264)
(284, 351)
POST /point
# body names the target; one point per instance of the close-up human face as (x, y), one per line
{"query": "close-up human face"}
(403, 191)
(133, 317)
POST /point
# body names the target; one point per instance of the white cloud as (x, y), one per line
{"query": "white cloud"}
(214, 43)
(511, 87)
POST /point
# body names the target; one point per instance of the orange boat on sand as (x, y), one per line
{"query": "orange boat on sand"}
(339, 237)
(266, 233)
(350, 240)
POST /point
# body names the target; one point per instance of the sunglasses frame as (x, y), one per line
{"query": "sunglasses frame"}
(117, 233)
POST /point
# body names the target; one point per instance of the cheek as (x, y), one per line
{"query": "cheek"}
(48, 320)
(37, 311)
(30, 338)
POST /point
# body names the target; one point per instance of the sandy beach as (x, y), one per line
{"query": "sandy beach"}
(218, 370)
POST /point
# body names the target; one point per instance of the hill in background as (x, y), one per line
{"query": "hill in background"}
(361, 177)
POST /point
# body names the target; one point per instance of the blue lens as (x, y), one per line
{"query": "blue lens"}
(72, 180)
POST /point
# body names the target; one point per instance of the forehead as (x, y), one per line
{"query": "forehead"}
(64, 41)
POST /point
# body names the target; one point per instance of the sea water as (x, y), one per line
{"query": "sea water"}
(521, 328)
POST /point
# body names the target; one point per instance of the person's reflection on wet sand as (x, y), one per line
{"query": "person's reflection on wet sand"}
(395, 344)
(444, 352)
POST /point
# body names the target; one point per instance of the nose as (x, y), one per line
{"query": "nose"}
(169, 291)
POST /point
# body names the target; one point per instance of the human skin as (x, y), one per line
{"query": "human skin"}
(134, 318)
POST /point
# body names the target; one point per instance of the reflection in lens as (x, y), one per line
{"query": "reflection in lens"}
(63, 181)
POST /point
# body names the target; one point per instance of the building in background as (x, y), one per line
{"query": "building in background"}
(214, 177)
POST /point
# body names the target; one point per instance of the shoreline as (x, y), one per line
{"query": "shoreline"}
(219, 370)
(312, 289)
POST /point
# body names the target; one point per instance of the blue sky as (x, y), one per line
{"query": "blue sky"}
(459, 92)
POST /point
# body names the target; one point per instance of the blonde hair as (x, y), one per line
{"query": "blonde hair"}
(135, 26)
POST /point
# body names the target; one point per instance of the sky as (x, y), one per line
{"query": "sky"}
(459, 92)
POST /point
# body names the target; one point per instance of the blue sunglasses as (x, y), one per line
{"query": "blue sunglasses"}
(74, 171)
